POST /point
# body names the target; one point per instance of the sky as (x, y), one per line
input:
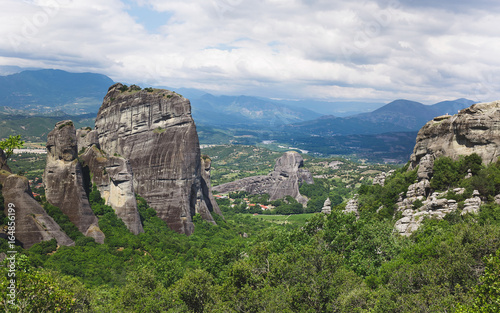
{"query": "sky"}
(373, 50)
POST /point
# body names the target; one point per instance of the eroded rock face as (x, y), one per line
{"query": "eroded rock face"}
(33, 224)
(113, 178)
(285, 180)
(473, 130)
(327, 206)
(63, 180)
(434, 206)
(155, 132)
(380, 178)
(352, 206)
(206, 184)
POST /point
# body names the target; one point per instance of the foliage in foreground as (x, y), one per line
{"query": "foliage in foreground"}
(334, 263)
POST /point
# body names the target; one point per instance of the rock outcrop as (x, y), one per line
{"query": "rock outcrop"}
(113, 178)
(473, 130)
(352, 206)
(63, 180)
(154, 131)
(33, 224)
(380, 178)
(286, 178)
(206, 184)
(327, 206)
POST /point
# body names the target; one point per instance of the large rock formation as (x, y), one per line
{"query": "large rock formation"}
(154, 131)
(33, 224)
(63, 180)
(289, 173)
(473, 130)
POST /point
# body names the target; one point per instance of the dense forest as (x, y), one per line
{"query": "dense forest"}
(330, 263)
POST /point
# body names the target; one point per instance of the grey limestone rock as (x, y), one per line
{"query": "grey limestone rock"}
(113, 178)
(473, 130)
(285, 180)
(155, 132)
(327, 206)
(380, 178)
(352, 206)
(63, 180)
(33, 224)
(86, 137)
(473, 204)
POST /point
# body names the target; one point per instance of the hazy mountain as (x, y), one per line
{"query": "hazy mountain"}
(336, 108)
(245, 111)
(51, 90)
(35, 128)
(411, 115)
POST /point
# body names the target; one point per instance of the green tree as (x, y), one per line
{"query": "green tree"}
(487, 292)
(8, 145)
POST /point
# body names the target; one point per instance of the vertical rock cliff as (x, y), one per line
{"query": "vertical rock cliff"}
(154, 131)
(63, 180)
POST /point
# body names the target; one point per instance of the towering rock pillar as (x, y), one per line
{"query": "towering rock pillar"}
(154, 131)
(63, 180)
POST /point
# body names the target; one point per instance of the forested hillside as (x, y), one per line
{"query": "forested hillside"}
(330, 263)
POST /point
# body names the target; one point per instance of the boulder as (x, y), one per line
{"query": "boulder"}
(327, 207)
(352, 206)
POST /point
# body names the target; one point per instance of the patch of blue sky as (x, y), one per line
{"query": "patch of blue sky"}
(146, 16)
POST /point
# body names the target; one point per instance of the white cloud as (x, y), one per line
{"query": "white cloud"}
(377, 50)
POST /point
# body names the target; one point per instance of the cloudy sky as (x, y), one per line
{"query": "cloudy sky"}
(378, 50)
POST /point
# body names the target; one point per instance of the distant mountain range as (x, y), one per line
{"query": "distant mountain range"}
(52, 90)
(32, 101)
(397, 116)
(245, 112)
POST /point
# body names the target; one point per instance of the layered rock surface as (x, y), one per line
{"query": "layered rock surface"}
(155, 133)
(473, 130)
(113, 178)
(288, 175)
(33, 224)
(63, 180)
